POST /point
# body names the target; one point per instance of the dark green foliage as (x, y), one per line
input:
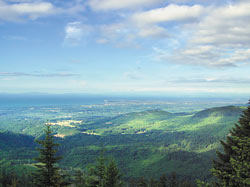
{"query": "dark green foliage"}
(185, 184)
(47, 172)
(163, 181)
(97, 173)
(112, 177)
(5, 178)
(8, 179)
(12, 174)
(79, 179)
(10, 140)
(104, 174)
(142, 182)
(173, 182)
(233, 166)
(200, 183)
(153, 183)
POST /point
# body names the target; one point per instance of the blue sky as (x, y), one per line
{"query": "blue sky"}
(125, 46)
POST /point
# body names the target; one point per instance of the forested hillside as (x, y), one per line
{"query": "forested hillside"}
(149, 143)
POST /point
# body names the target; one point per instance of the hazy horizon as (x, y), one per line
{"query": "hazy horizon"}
(136, 94)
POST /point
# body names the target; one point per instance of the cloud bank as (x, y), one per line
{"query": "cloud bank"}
(219, 38)
(105, 5)
(207, 35)
(31, 10)
(46, 75)
(22, 10)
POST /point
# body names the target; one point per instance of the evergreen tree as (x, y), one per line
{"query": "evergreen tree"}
(79, 179)
(173, 181)
(14, 182)
(100, 169)
(200, 183)
(112, 176)
(153, 183)
(96, 174)
(142, 183)
(132, 182)
(5, 175)
(47, 174)
(233, 166)
(163, 181)
(185, 184)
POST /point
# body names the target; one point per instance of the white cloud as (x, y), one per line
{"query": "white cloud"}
(21, 10)
(75, 32)
(212, 80)
(219, 38)
(152, 31)
(148, 23)
(19, 1)
(187, 89)
(240, 10)
(169, 13)
(130, 28)
(32, 10)
(120, 4)
(45, 75)
(121, 34)
(208, 56)
(226, 26)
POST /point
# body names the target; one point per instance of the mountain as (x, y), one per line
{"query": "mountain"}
(156, 120)
(10, 141)
(148, 143)
(17, 148)
(154, 142)
(226, 111)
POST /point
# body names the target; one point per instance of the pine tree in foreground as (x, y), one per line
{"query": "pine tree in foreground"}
(112, 177)
(96, 173)
(79, 179)
(47, 174)
(163, 181)
(142, 183)
(233, 166)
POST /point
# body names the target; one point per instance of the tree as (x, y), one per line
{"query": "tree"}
(112, 177)
(47, 174)
(233, 166)
(173, 182)
(142, 183)
(79, 179)
(97, 172)
(153, 183)
(163, 181)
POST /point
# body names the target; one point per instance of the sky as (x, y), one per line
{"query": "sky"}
(166, 47)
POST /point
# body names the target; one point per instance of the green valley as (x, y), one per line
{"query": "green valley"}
(146, 143)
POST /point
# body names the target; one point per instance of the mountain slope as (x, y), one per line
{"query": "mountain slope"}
(16, 148)
(148, 143)
(148, 121)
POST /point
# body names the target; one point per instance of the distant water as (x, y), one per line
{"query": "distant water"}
(47, 100)
(27, 100)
